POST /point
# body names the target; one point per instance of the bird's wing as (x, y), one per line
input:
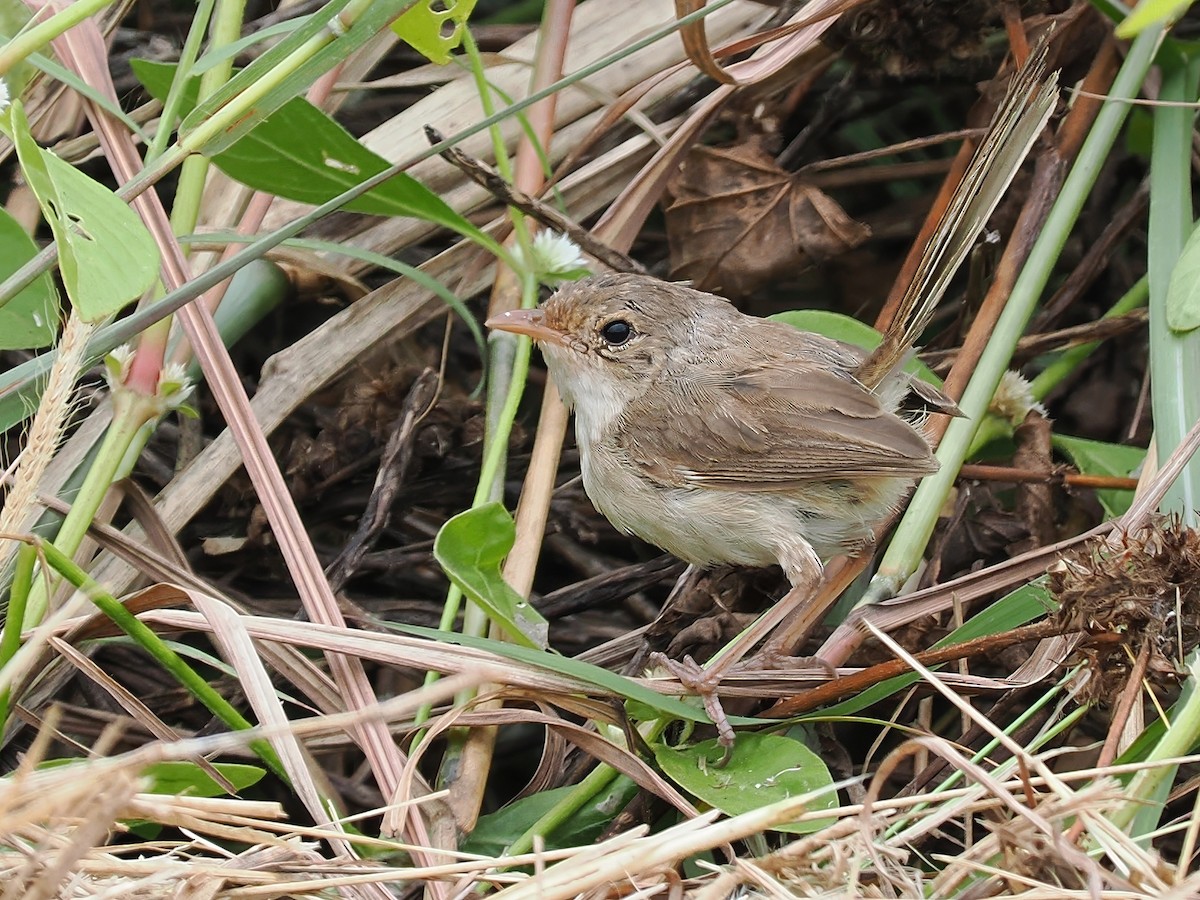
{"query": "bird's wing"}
(772, 428)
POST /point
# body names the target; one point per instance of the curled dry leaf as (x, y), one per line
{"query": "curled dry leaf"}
(737, 221)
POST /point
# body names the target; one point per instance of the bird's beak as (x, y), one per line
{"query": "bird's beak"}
(527, 321)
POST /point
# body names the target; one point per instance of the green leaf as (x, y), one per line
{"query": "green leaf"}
(1183, 292)
(300, 153)
(30, 319)
(260, 89)
(1149, 13)
(1100, 458)
(849, 331)
(764, 768)
(182, 777)
(106, 255)
(577, 669)
(470, 548)
(424, 29)
(495, 832)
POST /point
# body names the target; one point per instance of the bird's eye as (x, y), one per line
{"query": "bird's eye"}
(616, 332)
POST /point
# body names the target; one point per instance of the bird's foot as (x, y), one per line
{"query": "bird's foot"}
(704, 683)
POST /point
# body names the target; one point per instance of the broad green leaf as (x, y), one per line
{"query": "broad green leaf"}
(470, 548)
(1149, 13)
(424, 29)
(106, 255)
(849, 331)
(283, 72)
(1183, 293)
(495, 832)
(300, 153)
(764, 768)
(1100, 458)
(30, 319)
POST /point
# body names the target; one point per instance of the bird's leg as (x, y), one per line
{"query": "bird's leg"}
(806, 578)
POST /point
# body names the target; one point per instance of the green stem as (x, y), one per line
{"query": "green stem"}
(37, 37)
(1174, 357)
(131, 411)
(175, 96)
(917, 526)
(507, 356)
(1069, 360)
(592, 784)
(10, 641)
(145, 637)
(1145, 794)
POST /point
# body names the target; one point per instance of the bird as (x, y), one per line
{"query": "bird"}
(724, 438)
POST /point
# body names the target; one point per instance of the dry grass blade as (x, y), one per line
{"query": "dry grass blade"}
(1022, 116)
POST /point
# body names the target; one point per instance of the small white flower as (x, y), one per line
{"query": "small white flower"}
(116, 366)
(557, 258)
(174, 386)
(4, 96)
(1013, 400)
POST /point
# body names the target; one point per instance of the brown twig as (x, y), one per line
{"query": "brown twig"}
(1012, 475)
(837, 688)
(492, 181)
(1051, 341)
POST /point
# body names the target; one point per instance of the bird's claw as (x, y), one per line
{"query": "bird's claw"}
(704, 684)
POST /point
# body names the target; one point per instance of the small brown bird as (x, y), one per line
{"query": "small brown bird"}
(721, 437)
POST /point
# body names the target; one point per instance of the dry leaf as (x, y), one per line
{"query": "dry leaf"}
(736, 221)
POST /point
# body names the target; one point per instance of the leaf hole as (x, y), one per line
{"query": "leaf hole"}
(77, 226)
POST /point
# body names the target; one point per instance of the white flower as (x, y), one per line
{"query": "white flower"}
(557, 258)
(1013, 399)
(4, 96)
(172, 390)
(116, 366)
(174, 386)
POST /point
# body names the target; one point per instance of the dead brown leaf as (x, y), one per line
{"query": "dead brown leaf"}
(737, 221)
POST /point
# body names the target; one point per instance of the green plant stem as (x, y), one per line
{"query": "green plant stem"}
(145, 638)
(10, 640)
(1174, 357)
(227, 28)
(592, 784)
(917, 526)
(507, 356)
(131, 411)
(189, 194)
(187, 60)
(197, 139)
(995, 428)
(1070, 360)
(37, 37)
